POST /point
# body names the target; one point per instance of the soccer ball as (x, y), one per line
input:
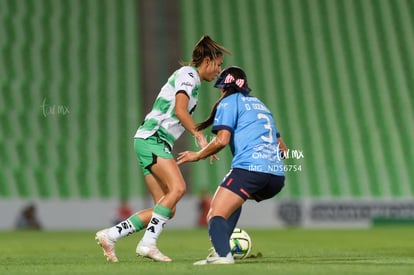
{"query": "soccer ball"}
(240, 244)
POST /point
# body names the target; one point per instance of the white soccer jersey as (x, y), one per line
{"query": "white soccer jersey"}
(161, 119)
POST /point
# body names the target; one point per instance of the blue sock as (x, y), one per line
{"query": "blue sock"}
(217, 229)
(233, 219)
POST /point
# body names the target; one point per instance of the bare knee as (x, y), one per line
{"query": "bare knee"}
(211, 213)
(173, 196)
(178, 191)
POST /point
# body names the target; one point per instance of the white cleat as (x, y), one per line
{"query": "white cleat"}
(212, 253)
(107, 245)
(216, 260)
(152, 252)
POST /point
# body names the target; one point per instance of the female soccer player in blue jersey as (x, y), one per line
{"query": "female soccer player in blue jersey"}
(154, 140)
(247, 125)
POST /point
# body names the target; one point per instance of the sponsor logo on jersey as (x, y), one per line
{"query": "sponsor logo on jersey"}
(189, 84)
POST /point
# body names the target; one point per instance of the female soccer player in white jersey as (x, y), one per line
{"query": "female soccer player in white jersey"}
(247, 125)
(154, 140)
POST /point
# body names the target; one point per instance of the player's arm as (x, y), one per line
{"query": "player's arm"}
(219, 142)
(282, 147)
(181, 103)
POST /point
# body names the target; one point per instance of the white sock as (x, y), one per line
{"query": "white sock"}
(122, 229)
(154, 229)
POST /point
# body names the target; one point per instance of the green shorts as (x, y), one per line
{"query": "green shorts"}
(148, 150)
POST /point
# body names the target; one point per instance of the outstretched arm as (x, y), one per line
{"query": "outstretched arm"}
(180, 111)
(218, 143)
(181, 102)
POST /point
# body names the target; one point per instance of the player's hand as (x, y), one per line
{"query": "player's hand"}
(187, 156)
(283, 148)
(213, 157)
(202, 141)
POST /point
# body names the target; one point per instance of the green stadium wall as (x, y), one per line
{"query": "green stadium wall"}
(69, 104)
(338, 75)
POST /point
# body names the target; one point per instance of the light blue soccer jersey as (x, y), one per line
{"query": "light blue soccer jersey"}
(254, 143)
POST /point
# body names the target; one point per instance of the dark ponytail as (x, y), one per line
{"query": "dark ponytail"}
(206, 47)
(210, 119)
(231, 80)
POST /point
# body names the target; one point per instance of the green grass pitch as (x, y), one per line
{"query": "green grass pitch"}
(379, 250)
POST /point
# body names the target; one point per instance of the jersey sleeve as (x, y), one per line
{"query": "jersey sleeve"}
(185, 81)
(226, 114)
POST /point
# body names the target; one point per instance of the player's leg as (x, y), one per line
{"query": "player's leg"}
(169, 175)
(171, 180)
(231, 224)
(157, 190)
(139, 220)
(107, 237)
(233, 219)
(223, 205)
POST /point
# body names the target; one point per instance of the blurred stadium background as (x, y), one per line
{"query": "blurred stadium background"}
(78, 76)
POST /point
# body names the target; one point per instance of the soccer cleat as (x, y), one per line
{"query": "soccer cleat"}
(107, 245)
(202, 262)
(212, 253)
(152, 252)
(216, 260)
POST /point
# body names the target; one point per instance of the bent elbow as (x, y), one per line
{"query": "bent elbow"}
(178, 114)
(221, 143)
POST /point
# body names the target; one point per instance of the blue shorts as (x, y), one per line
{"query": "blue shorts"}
(253, 185)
